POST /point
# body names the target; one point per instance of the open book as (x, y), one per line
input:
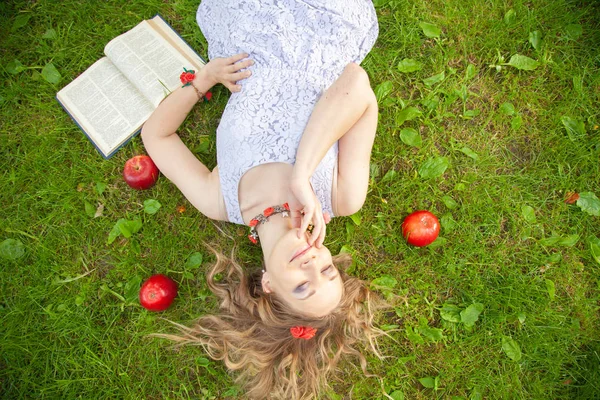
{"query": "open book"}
(111, 100)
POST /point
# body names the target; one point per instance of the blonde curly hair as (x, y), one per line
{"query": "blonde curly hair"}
(252, 336)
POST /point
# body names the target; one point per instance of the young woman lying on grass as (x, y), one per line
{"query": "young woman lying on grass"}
(293, 150)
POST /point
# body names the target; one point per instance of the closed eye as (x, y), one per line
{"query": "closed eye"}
(301, 288)
(328, 269)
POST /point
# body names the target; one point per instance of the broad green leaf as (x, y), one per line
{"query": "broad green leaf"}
(507, 109)
(450, 313)
(202, 362)
(575, 128)
(528, 213)
(12, 249)
(408, 114)
(432, 80)
(89, 209)
(413, 335)
(469, 114)
(432, 103)
(20, 21)
(411, 137)
(389, 176)
(115, 231)
(589, 203)
(430, 30)
(449, 202)
(434, 167)
(51, 74)
(356, 218)
(388, 327)
(523, 62)
(471, 72)
(383, 90)
(49, 34)
(551, 288)
(409, 65)
(397, 395)
(151, 206)
(132, 289)
(516, 122)
(469, 153)
(14, 67)
(595, 248)
(549, 241)
(135, 225)
(125, 228)
(511, 348)
(574, 31)
(428, 382)
(535, 38)
(100, 187)
(569, 241)
(510, 17)
(385, 281)
(439, 242)
(470, 315)
(448, 223)
(433, 334)
(194, 261)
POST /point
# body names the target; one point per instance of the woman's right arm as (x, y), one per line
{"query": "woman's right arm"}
(199, 185)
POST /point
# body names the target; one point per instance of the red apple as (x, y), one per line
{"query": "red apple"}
(420, 228)
(158, 292)
(140, 172)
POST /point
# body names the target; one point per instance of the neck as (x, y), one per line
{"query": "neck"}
(271, 231)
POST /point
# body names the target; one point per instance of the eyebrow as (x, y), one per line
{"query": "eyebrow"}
(314, 291)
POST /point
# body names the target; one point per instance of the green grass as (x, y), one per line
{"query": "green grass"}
(74, 338)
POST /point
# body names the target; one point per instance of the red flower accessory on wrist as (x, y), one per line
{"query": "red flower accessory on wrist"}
(187, 78)
(303, 332)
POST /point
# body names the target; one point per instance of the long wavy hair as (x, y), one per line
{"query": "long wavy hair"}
(251, 334)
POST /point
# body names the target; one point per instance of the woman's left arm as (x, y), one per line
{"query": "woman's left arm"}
(348, 103)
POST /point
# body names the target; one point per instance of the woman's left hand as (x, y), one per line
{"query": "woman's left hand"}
(228, 71)
(306, 209)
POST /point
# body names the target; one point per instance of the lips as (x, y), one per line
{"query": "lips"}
(301, 252)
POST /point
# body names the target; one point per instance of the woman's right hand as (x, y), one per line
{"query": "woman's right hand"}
(227, 71)
(306, 209)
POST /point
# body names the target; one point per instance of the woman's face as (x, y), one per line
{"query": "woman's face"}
(303, 276)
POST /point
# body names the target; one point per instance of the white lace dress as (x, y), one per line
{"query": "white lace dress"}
(299, 48)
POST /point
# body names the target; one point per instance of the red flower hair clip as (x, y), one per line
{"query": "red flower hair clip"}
(303, 332)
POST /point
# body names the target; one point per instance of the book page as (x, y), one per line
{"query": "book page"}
(106, 105)
(148, 61)
(171, 36)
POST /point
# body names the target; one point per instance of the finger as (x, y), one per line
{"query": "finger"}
(240, 65)
(233, 88)
(321, 233)
(238, 76)
(235, 58)
(317, 227)
(326, 217)
(321, 238)
(306, 219)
